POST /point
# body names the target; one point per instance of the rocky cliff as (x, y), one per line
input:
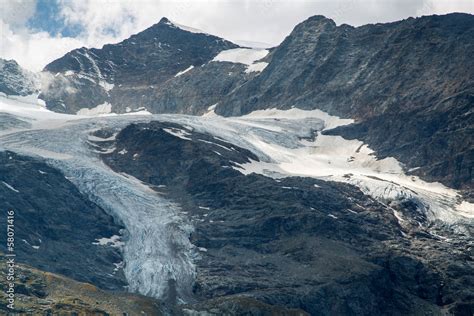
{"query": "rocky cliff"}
(15, 80)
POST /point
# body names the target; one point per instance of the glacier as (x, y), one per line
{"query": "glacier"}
(156, 246)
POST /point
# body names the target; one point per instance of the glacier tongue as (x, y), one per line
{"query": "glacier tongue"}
(157, 247)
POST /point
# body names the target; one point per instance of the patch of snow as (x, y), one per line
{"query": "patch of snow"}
(212, 107)
(251, 44)
(215, 144)
(246, 56)
(185, 28)
(118, 266)
(184, 71)
(123, 152)
(256, 67)
(113, 241)
(211, 111)
(32, 246)
(333, 216)
(178, 133)
(10, 187)
(104, 108)
(92, 62)
(107, 86)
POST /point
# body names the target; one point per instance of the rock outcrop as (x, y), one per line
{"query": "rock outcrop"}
(15, 80)
(43, 293)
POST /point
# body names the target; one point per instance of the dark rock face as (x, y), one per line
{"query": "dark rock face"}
(190, 93)
(365, 71)
(55, 225)
(295, 245)
(409, 84)
(134, 67)
(14, 80)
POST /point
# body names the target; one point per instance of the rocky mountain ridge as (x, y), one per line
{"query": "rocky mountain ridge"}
(137, 72)
(408, 84)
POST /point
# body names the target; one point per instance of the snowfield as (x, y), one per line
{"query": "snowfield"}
(246, 56)
(155, 244)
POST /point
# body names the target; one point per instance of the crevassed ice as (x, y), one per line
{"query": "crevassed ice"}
(156, 242)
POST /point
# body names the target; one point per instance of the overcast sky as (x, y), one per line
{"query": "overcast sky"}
(35, 32)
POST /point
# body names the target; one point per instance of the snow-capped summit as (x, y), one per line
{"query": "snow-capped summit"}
(167, 21)
(130, 72)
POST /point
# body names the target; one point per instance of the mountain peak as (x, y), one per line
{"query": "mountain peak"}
(168, 22)
(164, 20)
(318, 20)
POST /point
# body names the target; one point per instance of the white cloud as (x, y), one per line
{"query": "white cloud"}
(109, 21)
(16, 12)
(33, 50)
(446, 6)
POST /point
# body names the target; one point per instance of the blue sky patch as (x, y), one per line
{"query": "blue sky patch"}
(47, 18)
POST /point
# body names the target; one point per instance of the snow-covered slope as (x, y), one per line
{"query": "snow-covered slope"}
(290, 143)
